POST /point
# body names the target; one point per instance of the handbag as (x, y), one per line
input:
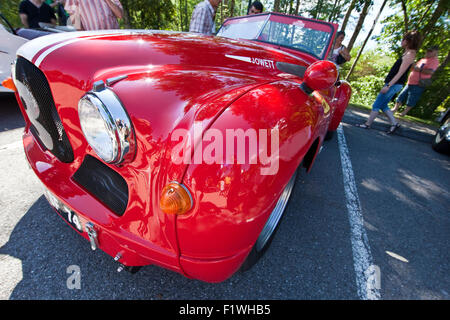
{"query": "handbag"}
(423, 83)
(340, 59)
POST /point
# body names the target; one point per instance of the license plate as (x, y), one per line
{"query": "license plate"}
(69, 215)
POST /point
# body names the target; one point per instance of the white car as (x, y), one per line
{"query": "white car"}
(9, 43)
(11, 39)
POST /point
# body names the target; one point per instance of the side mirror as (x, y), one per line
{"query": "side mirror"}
(320, 75)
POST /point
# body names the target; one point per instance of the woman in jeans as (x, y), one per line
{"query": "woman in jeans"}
(394, 81)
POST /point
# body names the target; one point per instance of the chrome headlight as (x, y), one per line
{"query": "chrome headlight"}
(106, 126)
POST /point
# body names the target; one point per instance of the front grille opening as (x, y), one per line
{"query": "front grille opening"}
(38, 102)
(103, 183)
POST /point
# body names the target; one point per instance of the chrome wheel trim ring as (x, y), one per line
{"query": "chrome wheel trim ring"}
(275, 215)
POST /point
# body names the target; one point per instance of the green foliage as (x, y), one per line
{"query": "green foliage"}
(365, 90)
(426, 16)
(10, 9)
(148, 14)
(368, 76)
(430, 18)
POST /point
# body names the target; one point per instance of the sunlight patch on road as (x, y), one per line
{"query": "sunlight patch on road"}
(10, 273)
(397, 256)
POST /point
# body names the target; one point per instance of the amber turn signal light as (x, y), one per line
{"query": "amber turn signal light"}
(175, 199)
(9, 84)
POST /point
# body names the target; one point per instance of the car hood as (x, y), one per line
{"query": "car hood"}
(169, 70)
(100, 50)
(169, 80)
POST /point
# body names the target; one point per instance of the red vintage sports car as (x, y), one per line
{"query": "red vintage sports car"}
(179, 149)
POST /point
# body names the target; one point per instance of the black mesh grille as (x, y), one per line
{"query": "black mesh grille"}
(37, 100)
(104, 183)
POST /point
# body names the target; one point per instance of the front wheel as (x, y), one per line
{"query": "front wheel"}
(441, 142)
(268, 232)
(329, 135)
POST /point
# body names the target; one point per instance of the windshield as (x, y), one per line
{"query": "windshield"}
(309, 36)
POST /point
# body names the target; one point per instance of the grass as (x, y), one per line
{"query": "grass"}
(428, 122)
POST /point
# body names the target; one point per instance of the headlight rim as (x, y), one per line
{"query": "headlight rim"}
(110, 107)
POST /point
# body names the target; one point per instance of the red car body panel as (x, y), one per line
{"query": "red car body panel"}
(179, 81)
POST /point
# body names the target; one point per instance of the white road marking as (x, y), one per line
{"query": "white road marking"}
(367, 274)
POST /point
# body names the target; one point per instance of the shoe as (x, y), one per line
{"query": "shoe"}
(362, 125)
(393, 128)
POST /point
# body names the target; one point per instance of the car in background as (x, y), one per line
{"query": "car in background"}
(9, 43)
(179, 149)
(441, 141)
(11, 39)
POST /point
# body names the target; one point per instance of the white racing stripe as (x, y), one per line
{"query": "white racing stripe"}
(31, 48)
(367, 274)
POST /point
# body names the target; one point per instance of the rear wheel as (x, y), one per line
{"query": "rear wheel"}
(441, 141)
(268, 232)
(329, 135)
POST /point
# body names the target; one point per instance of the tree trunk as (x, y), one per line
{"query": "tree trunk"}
(347, 15)
(276, 6)
(231, 9)
(365, 41)
(297, 6)
(318, 9)
(425, 13)
(440, 10)
(405, 15)
(291, 6)
(334, 11)
(359, 25)
(186, 17)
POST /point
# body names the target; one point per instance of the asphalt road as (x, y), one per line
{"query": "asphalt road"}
(402, 188)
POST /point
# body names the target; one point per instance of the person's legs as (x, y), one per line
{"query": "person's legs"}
(407, 109)
(413, 97)
(388, 112)
(402, 97)
(381, 103)
(372, 116)
(397, 105)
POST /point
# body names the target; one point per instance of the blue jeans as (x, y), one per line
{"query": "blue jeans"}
(411, 94)
(381, 103)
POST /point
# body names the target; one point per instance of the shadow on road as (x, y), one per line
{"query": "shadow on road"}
(47, 248)
(10, 115)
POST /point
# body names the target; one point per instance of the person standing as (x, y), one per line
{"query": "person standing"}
(423, 69)
(394, 82)
(32, 12)
(339, 54)
(58, 6)
(202, 20)
(94, 15)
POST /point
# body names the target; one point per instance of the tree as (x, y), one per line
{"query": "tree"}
(365, 41)
(360, 23)
(10, 9)
(431, 19)
(347, 15)
(276, 6)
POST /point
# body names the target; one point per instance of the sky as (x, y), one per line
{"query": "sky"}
(387, 11)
